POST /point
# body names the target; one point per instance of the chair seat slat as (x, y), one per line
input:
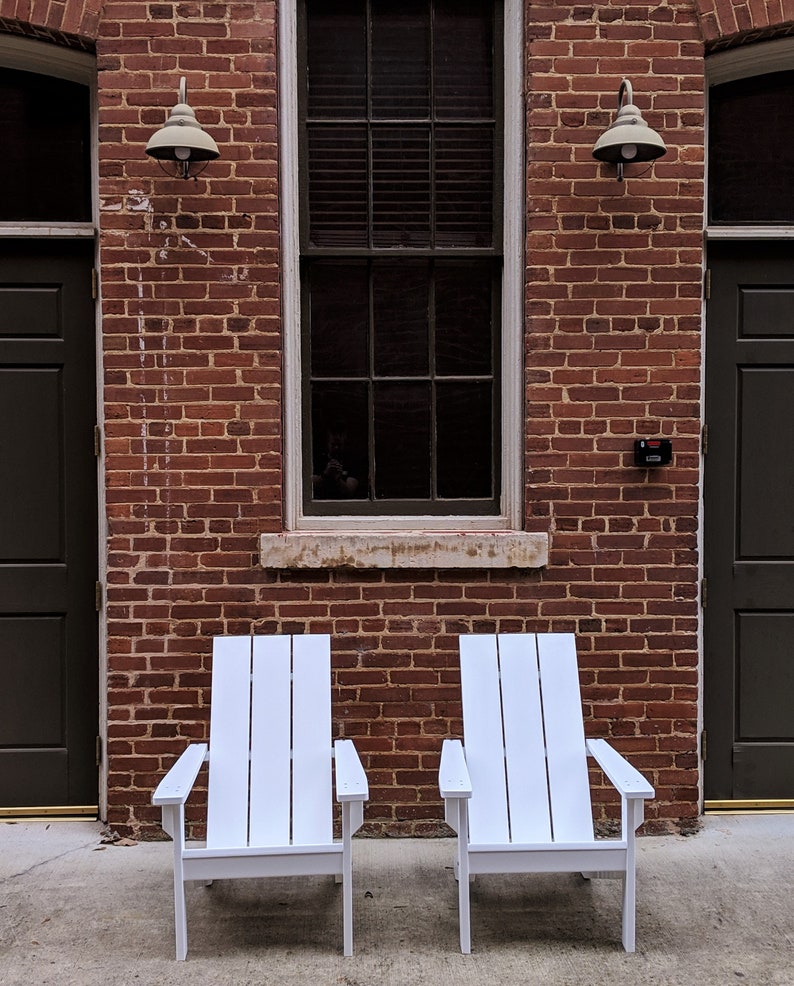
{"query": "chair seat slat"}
(227, 806)
(483, 738)
(312, 821)
(270, 743)
(569, 786)
(528, 795)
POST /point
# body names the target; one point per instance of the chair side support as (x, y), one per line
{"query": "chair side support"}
(352, 790)
(454, 784)
(171, 794)
(633, 789)
(177, 784)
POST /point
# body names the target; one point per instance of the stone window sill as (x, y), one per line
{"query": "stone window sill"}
(404, 549)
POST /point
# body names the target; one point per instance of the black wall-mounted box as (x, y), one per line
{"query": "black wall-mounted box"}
(652, 452)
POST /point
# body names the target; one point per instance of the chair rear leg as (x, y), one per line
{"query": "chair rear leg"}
(629, 910)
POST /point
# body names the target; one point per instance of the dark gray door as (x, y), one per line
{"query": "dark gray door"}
(48, 524)
(749, 522)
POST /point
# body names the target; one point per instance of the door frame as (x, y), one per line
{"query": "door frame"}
(727, 66)
(31, 55)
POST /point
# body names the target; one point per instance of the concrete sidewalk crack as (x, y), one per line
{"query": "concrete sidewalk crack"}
(44, 862)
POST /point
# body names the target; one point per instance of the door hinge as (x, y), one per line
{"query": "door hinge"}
(94, 283)
(97, 440)
(707, 284)
(704, 440)
(704, 592)
(98, 751)
(98, 596)
(704, 745)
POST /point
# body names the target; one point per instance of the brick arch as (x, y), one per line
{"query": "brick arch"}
(725, 23)
(71, 22)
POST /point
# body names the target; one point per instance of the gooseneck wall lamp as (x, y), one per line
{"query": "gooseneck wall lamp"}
(182, 141)
(628, 139)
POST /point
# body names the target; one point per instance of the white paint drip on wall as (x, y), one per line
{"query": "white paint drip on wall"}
(193, 246)
(138, 202)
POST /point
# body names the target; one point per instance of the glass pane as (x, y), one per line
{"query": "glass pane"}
(340, 415)
(45, 167)
(337, 58)
(339, 307)
(338, 185)
(400, 318)
(464, 440)
(752, 181)
(400, 186)
(463, 62)
(402, 441)
(464, 186)
(401, 59)
(464, 319)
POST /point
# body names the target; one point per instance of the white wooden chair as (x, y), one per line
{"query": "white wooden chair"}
(518, 794)
(270, 754)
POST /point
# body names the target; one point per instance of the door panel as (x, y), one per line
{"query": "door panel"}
(766, 476)
(48, 523)
(749, 522)
(31, 525)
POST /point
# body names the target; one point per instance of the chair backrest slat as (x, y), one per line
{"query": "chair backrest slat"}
(312, 821)
(566, 755)
(227, 808)
(524, 742)
(483, 739)
(271, 742)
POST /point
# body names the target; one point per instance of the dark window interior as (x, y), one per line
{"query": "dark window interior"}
(45, 167)
(401, 266)
(751, 150)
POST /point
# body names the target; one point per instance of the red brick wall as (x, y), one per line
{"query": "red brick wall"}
(190, 304)
(613, 352)
(192, 388)
(193, 438)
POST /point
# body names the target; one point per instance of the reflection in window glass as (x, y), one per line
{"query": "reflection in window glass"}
(340, 468)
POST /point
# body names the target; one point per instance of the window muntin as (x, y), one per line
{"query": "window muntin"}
(400, 256)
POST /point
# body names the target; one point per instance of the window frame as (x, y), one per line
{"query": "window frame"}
(509, 516)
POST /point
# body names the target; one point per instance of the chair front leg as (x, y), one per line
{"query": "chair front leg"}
(462, 873)
(632, 811)
(349, 813)
(174, 823)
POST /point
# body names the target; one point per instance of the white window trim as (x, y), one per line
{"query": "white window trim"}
(512, 302)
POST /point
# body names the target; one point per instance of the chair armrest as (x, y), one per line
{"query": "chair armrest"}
(351, 781)
(453, 774)
(177, 784)
(628, 781)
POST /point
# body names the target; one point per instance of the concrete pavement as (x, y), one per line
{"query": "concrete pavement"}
(713, 908)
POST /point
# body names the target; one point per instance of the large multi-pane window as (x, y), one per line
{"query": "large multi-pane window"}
(400, 255)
